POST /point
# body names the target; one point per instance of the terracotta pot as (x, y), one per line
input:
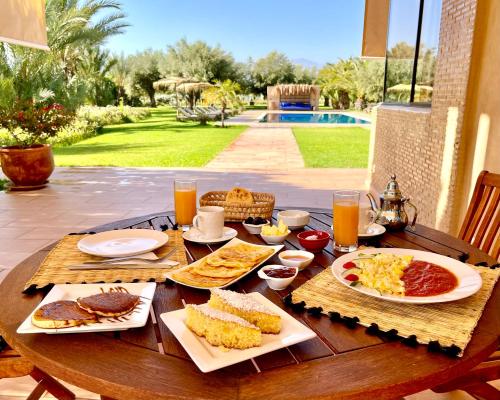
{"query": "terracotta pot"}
(29, 166)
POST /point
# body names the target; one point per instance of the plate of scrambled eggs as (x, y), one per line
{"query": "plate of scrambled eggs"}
(406, 276)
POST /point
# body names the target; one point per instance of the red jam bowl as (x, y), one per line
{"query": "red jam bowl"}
(314, 245)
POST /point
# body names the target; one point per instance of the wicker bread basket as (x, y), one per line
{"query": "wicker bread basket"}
(263, 206)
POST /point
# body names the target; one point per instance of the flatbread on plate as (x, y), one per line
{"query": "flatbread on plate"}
(189, 277)
(240, 256)
(218, 272)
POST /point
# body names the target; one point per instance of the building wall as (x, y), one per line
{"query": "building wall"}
(481, 146)
(423, 146)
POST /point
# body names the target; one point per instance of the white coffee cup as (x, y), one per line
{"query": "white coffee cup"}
(366, 217)
(209, 220)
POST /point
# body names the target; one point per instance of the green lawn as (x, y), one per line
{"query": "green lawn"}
(333, 147)
(157, 141)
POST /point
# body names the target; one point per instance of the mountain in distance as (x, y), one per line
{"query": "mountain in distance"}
(307, 63)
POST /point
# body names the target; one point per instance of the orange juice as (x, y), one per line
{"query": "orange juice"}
(185, 206)
(345, 222)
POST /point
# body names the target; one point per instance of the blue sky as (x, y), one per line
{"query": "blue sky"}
(320, 31)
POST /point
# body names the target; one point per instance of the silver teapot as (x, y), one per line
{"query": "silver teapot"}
(392, 214)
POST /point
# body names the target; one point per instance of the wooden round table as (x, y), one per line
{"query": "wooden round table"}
(149, 363)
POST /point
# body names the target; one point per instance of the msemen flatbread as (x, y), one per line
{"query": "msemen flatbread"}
(189, 277)
(240, 256)
(239, 196)
(218, 272)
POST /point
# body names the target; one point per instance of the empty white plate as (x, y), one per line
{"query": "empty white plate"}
(209, 358)
(122, 243)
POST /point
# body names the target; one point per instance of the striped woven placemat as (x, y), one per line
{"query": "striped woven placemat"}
(53, 269)
(447, 324)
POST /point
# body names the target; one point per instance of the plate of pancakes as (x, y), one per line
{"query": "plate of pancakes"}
(91, 308)
(224, 266)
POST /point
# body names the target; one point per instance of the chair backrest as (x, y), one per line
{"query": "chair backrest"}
(481, 226)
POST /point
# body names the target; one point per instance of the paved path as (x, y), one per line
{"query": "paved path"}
(261, 149)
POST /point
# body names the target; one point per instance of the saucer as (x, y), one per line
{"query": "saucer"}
(373, 230)
(194, 235)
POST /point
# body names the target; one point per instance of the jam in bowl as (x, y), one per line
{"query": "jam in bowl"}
(278, 277)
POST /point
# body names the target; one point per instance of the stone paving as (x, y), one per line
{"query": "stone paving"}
(261, 148)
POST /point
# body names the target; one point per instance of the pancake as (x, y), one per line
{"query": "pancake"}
(61, 314)
(189, 277)
(110, 304)
(239, 196)
(218, 272)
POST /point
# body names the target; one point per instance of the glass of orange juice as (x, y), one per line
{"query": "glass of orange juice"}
(185, 202)
(345, 220)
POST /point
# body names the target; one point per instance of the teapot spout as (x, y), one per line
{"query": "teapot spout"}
(373, 202)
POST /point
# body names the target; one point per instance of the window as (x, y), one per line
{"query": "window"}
(412, 44)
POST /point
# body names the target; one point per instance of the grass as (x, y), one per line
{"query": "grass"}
(333, 147)
(156, 141)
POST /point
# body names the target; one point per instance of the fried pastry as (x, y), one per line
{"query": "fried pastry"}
(189, 277)
(218, 272)
(239, 196)
(61, 314)
(110, 304)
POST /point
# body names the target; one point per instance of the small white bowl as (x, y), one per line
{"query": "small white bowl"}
(308, 257)
(276, 283)
(275, 239)
(254, 229)
(294, 219)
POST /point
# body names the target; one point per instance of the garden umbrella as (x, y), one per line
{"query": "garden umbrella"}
(170, 83)
(192, 88)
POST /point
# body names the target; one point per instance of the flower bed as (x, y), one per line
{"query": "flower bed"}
(112, 115)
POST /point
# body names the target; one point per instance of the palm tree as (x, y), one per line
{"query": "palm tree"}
(224, 94)
(95, 65)
(72, 26)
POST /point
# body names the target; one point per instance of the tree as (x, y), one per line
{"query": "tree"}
(145, 71)
(273, 69)
(198, 61)
(224, 94)
(95, 67)
(120, 74)
(72, 26)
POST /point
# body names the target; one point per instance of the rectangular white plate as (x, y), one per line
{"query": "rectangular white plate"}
(233, 242)
(209, 358)
(72, 292)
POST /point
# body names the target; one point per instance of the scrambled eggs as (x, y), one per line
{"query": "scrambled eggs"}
(274, 230)
(383, 272)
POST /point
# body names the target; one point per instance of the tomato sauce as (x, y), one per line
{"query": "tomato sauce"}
(423, 278)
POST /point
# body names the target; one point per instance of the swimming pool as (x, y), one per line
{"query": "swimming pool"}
(312, 118)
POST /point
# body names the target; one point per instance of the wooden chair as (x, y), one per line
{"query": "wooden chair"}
(13, 365)
(481, 226)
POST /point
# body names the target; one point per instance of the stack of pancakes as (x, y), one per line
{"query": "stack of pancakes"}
(223, 266)
(85, 310)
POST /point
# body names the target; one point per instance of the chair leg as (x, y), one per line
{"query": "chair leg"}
(51, 385)
(37, 392)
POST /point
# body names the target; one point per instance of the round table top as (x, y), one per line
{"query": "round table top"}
(149, 363)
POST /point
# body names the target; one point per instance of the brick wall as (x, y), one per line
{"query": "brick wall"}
(423, 146)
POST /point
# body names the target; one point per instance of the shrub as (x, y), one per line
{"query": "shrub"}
(111, 115)
(79, 129)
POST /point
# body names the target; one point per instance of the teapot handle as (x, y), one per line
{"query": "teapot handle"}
(415, 213)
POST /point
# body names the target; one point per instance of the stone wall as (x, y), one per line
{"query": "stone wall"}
(422, 145)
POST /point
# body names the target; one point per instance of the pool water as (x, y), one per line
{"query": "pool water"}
(310, 118)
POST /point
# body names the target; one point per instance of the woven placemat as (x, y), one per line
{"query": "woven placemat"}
(53, 269)
(447, 324)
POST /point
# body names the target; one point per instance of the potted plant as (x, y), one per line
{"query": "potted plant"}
(28, 161)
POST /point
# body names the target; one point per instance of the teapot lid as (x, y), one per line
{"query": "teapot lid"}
(392, 189)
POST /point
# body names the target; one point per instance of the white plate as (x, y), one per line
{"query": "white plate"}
(373, 230)
(72, 292)
(209, 358)
(194, 235)
(469, 281)
(122, 243)
(233, 242)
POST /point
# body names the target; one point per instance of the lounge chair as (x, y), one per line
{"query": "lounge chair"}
(186, 114)
(206, 113)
